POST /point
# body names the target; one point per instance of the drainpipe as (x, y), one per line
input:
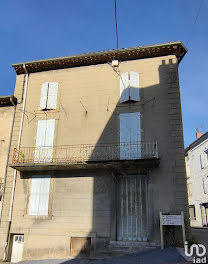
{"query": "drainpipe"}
(7, 160)
(15, 171)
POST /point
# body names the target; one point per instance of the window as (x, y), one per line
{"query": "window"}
(204, 159)
(39, 195)
(130, 136)
(129, 87)
(48, 97)
(205, 185)
(192, 212)
(44, 141)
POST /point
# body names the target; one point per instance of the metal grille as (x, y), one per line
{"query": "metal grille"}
(132, 208)
(86, 152)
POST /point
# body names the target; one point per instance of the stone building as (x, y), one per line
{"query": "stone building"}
(7, 112)
(98, 153)
(196, 158)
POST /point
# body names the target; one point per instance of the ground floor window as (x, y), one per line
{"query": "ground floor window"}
(192, 212)
(39, 195)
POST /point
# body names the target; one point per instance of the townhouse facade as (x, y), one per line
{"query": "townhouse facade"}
(196, 158)
(7, 113)
(99, 153)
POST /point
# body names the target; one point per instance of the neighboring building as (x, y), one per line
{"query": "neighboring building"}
(7, 112)
(99, 153)
(196, 157)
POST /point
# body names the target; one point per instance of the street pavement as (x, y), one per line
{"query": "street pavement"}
(156, 256)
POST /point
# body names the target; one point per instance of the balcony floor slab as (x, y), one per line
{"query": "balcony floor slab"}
(117, 165)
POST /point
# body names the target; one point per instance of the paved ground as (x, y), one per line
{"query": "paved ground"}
(201, 236)
(156, 256)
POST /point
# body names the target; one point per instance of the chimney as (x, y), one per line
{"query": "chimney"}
(198, 133)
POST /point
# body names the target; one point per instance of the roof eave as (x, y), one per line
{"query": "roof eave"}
(174, 48)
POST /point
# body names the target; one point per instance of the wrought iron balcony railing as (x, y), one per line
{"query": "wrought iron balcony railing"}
(86, 153)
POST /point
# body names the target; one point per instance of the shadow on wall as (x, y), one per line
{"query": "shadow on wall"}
(109, 220)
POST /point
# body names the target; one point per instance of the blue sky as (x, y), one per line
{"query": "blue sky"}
(32, 30)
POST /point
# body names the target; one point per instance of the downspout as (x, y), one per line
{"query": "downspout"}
(7, 161)
(15, 171)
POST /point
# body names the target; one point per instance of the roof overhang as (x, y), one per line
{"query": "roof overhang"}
(9, 100)
(172, 48)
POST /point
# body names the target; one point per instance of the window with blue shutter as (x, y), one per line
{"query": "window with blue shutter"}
(129, 87)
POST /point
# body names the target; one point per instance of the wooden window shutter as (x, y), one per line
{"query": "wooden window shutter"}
(203, 160)
(44, 141)
(134, 86)
(44, 96)
(130, 136)
(124, 87)
(39, 196)
(52, 95)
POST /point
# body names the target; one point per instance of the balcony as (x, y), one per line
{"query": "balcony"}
(85, 156)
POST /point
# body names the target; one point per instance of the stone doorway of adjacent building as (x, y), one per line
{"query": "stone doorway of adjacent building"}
(132, 219)
(17, 248)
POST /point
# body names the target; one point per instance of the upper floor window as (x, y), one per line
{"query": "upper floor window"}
(129, 87)
(205, 185)
(204, 159)
(48, 97)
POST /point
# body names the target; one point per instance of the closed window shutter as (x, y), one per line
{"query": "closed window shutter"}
(52, 95)
(134, 86)
(203, 160)
(50, 127)
(205, 183)
(39, 196)
(44, 141)
(43, 96)
(40, 141)
(130, 136)
(124, 87)
(44, 196)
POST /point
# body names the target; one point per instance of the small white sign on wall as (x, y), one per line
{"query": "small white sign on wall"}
(172, 220)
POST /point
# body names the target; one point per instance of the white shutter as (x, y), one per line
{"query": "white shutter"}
(40, 141)
(44, 196)
(203, 160)
(34, 196)
(52, 95)
(124, 87)
(44, 141)
(205, 183)
(50, 127)
(134, 86)
(130, 136)
(43, 96)
(39, 196)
